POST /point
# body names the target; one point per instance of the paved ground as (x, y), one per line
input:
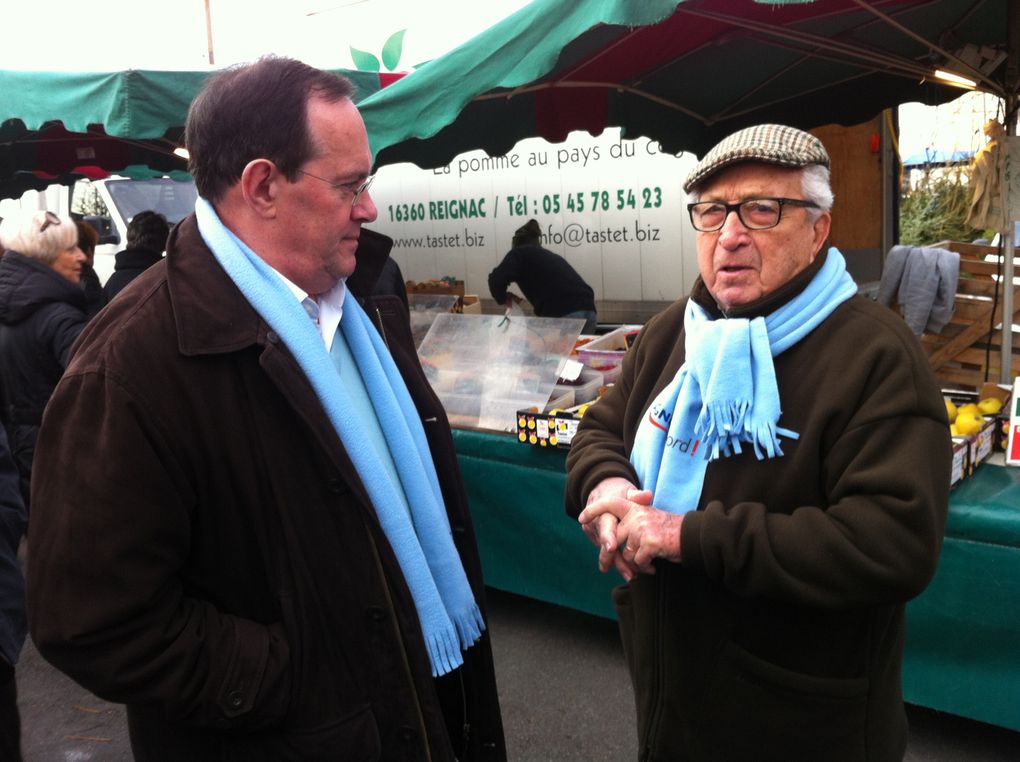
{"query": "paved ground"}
(563, 687)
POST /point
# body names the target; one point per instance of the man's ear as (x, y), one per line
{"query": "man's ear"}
(821, 230)
(260, 182)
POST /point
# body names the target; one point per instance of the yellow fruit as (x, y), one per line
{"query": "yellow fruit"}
(950, 410)
(990, 405)
(968, 423)
(953, 431)
(969, 409)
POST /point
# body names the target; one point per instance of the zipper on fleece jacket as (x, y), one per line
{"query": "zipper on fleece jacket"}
(382, 328)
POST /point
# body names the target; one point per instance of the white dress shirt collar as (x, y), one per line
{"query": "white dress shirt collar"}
(330, 303)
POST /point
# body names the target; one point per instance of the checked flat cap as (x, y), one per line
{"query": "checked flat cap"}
(766, 143)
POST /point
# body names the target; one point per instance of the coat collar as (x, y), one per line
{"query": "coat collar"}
(211, 313)
(373, 250)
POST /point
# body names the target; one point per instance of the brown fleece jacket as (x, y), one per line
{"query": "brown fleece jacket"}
(780, 635)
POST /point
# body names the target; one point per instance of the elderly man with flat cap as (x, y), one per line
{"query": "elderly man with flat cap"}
(770, 476)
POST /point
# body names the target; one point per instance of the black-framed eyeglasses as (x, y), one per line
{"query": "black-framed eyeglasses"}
(753, 213)
(48, 219)
(347, 188)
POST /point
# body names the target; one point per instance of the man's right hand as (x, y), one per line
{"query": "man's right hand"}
(511, 300)
(602, 530)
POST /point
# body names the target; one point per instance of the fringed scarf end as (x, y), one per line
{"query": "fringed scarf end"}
(470, 626)
(444, 652)
(766, 439)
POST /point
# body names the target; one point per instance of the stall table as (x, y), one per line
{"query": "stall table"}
(963, 633)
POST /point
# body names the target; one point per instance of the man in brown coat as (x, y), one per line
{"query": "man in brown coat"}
(770, 475)
(211, 546)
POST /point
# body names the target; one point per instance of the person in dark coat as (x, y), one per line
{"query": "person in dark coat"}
(377, 246)
(554, 288)
(42, 311)
(146, 239)
(267, 586)
(13, 624)
(95, 297)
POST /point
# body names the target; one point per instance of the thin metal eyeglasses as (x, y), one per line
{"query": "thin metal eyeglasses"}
(50, 219)
(753, 213)
(345, 187)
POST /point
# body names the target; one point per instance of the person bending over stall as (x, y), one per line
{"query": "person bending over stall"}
(550, 284)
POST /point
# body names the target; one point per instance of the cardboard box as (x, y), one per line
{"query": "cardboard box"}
(981, 445)
(438, 287)
(961, 454)
(471, 304)
(548, 429)
(544, 430)
(1000, 427)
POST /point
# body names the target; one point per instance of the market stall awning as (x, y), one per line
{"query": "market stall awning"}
(59, 126)
(683, 72)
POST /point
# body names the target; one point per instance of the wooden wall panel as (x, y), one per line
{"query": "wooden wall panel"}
(857, 183)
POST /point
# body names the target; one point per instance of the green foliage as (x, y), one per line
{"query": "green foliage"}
(85, 199)
(935, 211)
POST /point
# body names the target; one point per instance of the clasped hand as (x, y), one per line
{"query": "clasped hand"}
(629, 531)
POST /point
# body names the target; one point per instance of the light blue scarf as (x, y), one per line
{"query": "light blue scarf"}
(725, 393)
(450, 618)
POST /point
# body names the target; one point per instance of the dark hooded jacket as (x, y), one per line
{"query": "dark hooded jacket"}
(41, 314)
(128, 265)
(13, 519)
(95, 296)
(244, 601)
(553, 287)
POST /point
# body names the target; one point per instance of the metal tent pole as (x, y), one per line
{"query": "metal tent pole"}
(1006, 349)
(1012, 77)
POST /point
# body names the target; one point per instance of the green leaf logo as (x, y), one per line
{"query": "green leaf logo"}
(392, 49)
(364, 61)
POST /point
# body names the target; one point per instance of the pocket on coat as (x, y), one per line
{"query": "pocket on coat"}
(757, 710)
(354, 738)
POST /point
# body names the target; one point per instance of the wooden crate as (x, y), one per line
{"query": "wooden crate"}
(438, 287)
(967, 350)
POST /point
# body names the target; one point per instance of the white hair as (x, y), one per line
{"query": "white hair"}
(36, 235)
(816, 187)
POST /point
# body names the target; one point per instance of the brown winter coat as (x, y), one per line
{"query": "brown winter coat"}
(204, 551)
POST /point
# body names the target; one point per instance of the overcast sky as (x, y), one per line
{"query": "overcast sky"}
(103, 35)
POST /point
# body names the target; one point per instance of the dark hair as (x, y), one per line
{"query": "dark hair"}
(527, 234)
(88, 237)
(255, 111)
(148, 230)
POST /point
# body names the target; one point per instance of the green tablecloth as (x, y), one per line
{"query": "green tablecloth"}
(528, 545)
(963, 633)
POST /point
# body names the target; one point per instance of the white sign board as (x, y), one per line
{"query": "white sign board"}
(613, 208)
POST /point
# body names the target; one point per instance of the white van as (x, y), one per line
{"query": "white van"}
(108, 205)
